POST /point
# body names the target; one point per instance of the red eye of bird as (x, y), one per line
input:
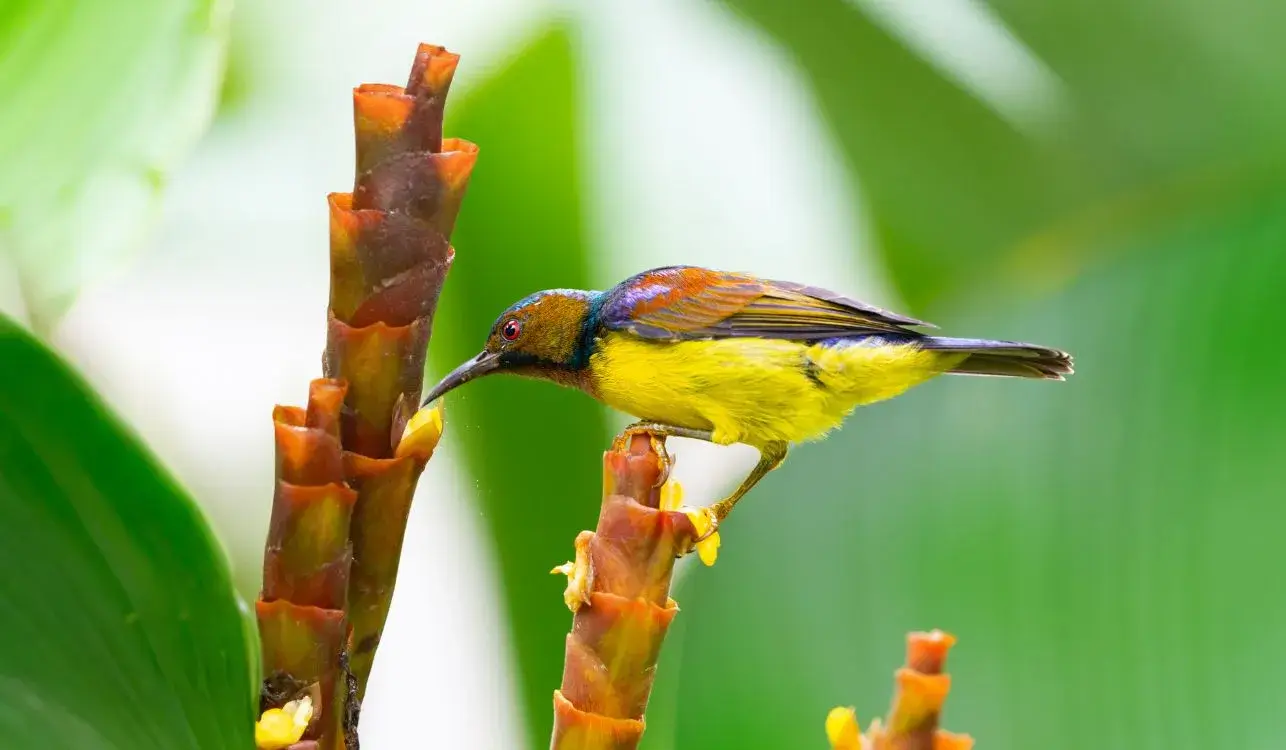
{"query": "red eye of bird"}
(510, 330)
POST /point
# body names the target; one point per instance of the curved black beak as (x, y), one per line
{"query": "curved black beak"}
(484, 363)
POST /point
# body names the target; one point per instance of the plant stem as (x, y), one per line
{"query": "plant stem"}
(346, 472)
(390, 253)
(922, 689)
(307, 557)
(619, 591)
(912, 722)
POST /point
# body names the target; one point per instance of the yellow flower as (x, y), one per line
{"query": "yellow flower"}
(842, 729)
(702, 519)
(282, 727)
(422, 433)
(708, 548)
(580, 574)
(671, 495)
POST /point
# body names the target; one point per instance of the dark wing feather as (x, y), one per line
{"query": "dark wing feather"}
(684, 302)
(825, 295)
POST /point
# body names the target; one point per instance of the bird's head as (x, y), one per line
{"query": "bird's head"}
(538, 336)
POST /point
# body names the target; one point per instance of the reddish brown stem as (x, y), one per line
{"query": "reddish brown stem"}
(390, 253)
(307, 557)
(616, 637)
(345, 479)
(306, 643)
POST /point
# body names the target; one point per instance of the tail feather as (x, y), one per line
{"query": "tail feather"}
(1003, 358)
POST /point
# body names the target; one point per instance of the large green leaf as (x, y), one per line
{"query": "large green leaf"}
(531, 449)
(1101, 546)
(100, 100)
(121, 629)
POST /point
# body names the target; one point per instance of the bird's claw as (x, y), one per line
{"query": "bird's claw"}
(702, 519)
(664, 458)
(705, 521)
(656, 439)
(711, 524)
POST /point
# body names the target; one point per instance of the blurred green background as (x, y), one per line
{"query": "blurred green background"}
(1104, 177)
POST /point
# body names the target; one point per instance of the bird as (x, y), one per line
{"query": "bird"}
(730, 358)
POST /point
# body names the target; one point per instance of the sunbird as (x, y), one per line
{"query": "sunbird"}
(731, 358)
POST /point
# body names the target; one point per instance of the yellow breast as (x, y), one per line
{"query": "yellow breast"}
(750, 390)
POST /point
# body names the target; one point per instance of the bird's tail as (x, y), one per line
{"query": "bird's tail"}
(1003, 358)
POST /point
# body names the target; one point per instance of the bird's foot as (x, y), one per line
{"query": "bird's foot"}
(770, 457)
(709, 524)
(580, 574)
(706, 523)
(664, 458)
(707, 518)
(656, 434)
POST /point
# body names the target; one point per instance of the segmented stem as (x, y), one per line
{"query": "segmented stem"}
(620, 593)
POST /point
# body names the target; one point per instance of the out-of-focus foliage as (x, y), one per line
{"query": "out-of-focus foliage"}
(121, 626)
(1141, 92)
(100, 100)
(949, 182)
(532, 451)
(1100, 543)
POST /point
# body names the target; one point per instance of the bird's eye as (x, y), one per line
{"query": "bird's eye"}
(510, 330)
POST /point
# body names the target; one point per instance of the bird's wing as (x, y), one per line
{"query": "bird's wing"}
(683, 302)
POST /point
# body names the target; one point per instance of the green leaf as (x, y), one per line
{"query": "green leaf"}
(1099, 546)
(532, 450)
(121, 627)
(101, 100)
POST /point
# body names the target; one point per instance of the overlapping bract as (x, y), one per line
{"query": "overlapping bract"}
(307, 560)
(390, 252)
(912, 723)
(348, 465)
(623, 611)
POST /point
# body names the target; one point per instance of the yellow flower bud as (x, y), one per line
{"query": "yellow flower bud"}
(842, 729)
(708, 548)
(422, 433)
(579, 572)
(671, 495)
(282, 727)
